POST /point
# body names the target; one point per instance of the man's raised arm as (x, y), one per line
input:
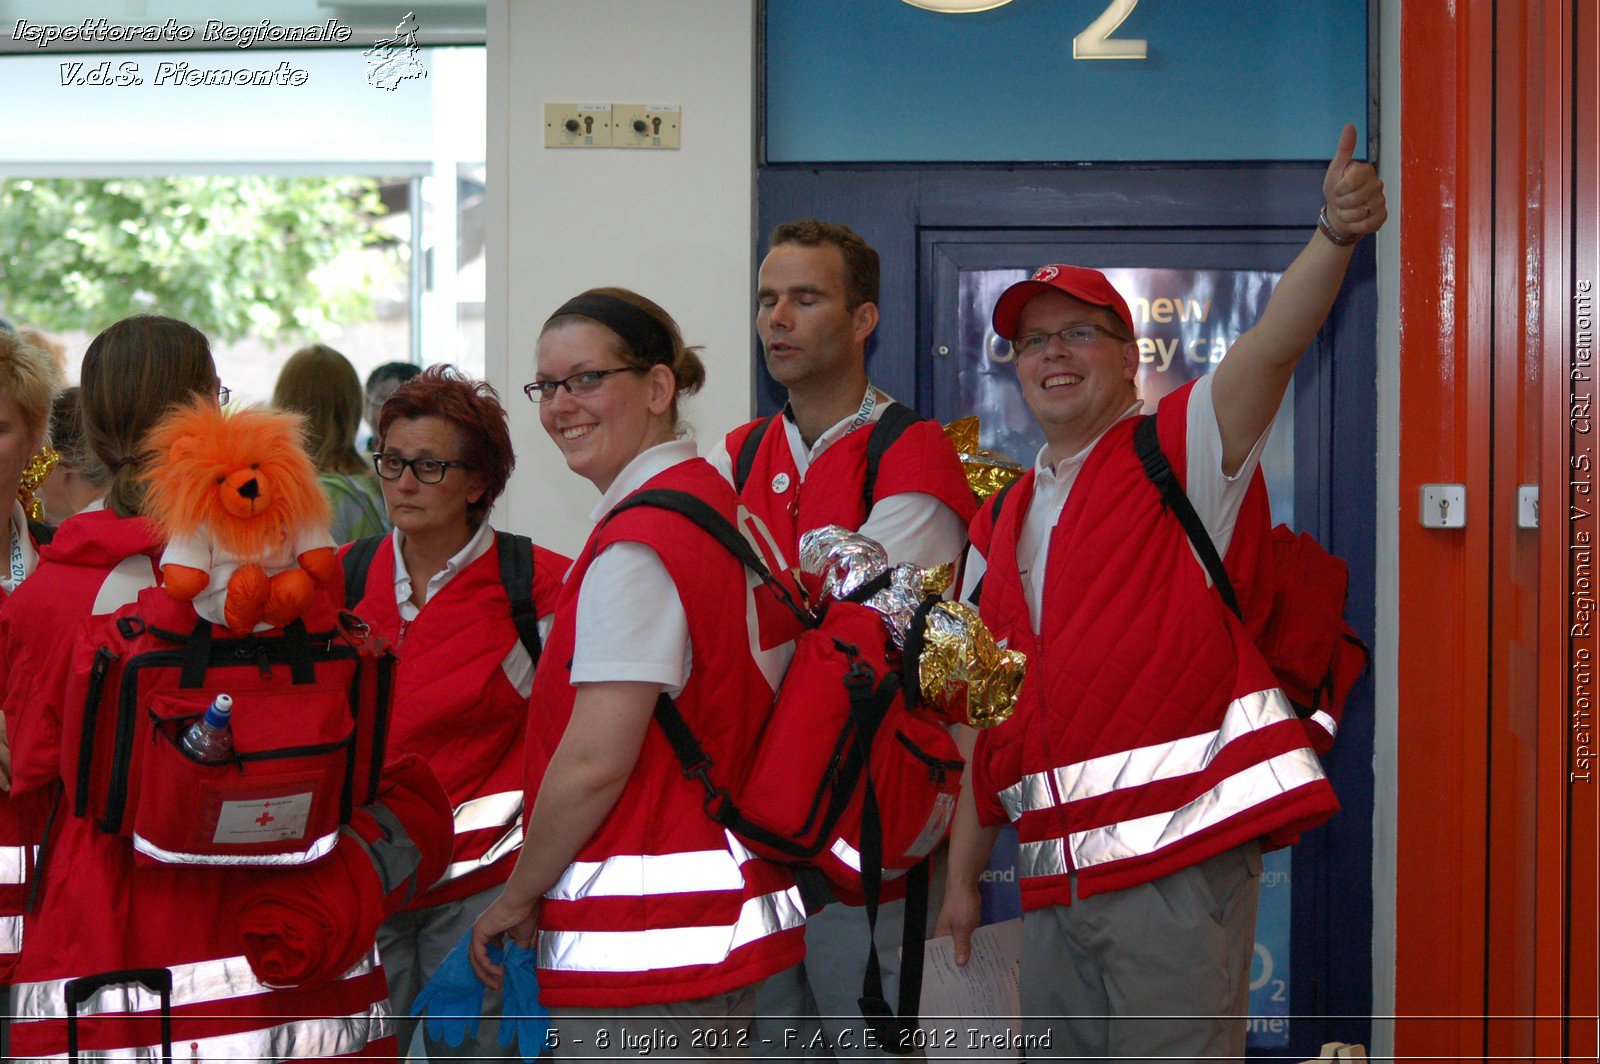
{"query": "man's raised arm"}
(1250, 382)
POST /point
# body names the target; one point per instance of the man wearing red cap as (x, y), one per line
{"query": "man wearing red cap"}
(1151, 757)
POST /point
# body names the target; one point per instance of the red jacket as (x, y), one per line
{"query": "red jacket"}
(98, 911)
(1149, 732)
(921, 460)
(662, 904)
(454, 706)
(96, 562)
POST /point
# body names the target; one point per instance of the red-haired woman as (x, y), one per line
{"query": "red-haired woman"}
(436, 587)
(646, 910)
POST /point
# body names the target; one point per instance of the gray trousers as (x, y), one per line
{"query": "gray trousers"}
(411, 944)
(815, 1006)
(715, 1027)
(1160, 971)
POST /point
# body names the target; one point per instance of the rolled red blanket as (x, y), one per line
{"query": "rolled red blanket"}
(312, 924)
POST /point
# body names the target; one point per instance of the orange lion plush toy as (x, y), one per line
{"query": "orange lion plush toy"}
(245, 521)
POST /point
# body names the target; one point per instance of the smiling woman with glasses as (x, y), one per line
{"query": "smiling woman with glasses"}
(617, 837)
(440, 589)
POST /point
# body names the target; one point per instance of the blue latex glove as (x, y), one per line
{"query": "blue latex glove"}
(521, 1016)
(452, 1002)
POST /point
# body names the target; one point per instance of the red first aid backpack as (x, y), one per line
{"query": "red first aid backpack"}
(310, 721)
(851, 775)
(1314, 653)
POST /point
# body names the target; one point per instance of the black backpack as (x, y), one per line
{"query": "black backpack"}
(896, 419)
(516, 576)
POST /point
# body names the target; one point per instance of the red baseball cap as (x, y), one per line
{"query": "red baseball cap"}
(1080, 282)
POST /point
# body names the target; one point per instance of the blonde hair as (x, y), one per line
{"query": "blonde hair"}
(27, 375)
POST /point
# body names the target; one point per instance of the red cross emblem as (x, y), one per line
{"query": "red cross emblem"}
(265, 818)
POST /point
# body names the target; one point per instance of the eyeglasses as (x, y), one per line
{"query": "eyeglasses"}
(586, 383)
(223, 395)
(1076, 336)
(426, 470)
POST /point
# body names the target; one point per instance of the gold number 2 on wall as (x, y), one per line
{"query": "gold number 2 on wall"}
(1093, 43)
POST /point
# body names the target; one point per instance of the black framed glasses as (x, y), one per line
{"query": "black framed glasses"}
(426, 470)
(223, 395)
(1075, 336)
(586, 383)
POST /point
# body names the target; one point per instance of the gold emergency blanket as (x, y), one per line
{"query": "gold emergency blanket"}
(34, 474)
(963, 673)
(987, 471)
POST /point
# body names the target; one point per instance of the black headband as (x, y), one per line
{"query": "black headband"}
(646, 336)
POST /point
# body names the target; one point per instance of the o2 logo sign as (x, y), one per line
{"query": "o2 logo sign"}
(1095, 42)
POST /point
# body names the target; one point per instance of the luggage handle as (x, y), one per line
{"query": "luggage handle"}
(77, 991)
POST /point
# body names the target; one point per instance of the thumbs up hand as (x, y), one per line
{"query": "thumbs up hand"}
(1352, 191)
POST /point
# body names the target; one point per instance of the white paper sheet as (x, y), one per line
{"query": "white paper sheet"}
(969, 1012)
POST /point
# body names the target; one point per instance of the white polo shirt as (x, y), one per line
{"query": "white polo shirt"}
(1216, 497)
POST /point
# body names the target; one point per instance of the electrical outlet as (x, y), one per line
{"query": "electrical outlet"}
(577, 125)
(642, 125)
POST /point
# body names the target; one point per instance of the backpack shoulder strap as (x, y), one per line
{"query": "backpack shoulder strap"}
(999, 508)
(746, 459)
(718, 528)
(41, 532)
(1148, 447)
(516, 576)
(886, 431)
(357, 562)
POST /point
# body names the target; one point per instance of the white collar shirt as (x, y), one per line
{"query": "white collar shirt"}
(646, 464)
(476, 547)
(21, 558)
(873, 403)
(1051, 485)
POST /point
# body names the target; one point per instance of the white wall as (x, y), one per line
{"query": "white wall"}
(1386, 641)
(673, 225)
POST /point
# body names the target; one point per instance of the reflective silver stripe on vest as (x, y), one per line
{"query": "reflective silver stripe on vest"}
(14, 864)
(1327, 723)
(505, 844)
(1234, 795)
(192, 984)
(1146, 764)
(1031, 793)
(1043, 858)
(639, 875)
(329, 1036)
(1180, 757)
(665, 948)
(490, 811)
(10, 934)
(852, 858)
(315, 852)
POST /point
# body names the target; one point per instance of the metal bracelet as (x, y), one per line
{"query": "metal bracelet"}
(1325, 227)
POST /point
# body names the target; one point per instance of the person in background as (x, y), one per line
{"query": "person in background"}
(434, 589)
(27, 380)
(319, 383)
(78, 482)
(381, 384)
(52, 347)
(651, 918)
(816, 309)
